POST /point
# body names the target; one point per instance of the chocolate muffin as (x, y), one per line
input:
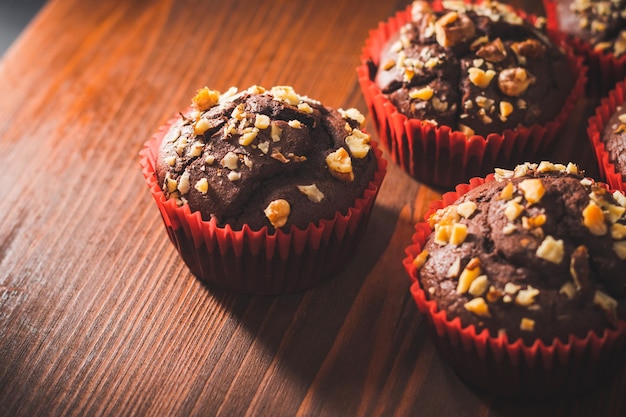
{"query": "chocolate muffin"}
(538, 254)
(479, 69)
(614, 139)
(265, 158)
(600, 23)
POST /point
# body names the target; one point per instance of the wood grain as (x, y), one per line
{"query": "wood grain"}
(98, 315)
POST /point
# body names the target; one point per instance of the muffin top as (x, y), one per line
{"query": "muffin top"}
(614, 138)
(539, 253)
(265, 158)
(601, 23)
(479, 69)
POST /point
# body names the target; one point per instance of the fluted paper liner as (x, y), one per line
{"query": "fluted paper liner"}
(605, 69)
(512, 368)
(256, 261)
(596, 125)
(439, 155)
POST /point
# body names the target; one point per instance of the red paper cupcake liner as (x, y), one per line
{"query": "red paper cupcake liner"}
(499, 366)
(256, 261)
(596, 125)
(438, 155)
(605, 69)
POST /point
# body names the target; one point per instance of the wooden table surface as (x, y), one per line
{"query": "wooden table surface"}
(98, 314)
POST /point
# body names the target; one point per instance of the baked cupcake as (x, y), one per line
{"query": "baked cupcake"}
(263, 191)
(455, 90)
(521, 278)
(607, 133)
(597, 31)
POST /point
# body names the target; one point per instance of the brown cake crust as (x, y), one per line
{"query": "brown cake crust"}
(477, 69)
(614, 138)
(240, 158)
(543, 256)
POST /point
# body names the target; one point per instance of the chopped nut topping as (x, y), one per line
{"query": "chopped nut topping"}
(526, 297)
(493, 51)
(358, 143)
(618, 231)
(478, 42)
(340, 165)
(262, 121)
(277, 212)
(479, 286)
(551, 250)
(389, 64)
(312, 192)
(532, 189)
(534, 222)
(205, 99)
(514, 81)
(571, 168)
(170, 160)
(286, 94)
(424, 93)
(296, 124)
(455, 269)
(183, 183)
(420, 259)
(579, 267)
(230, 161)
(248, 136)
(530, 48)
(353, 114)
(620, 249)
(234, 176)
(478, 306)
(264, 147)
(506, 109)
(620, 198)
(507, 191)
(453, 28)
(470, 273)
(568, 290)
(171, 184)
(439, 105)
(202, 185)
(509, 229)
(210, 159)
(527, 324)
(304, 107)
(466, 130)
(593, 219)
(511, 288)
(276, 133)
(201, 126)
(480, 78)
(606, 303)
(442, 234)
(513, 210)
(458, 234)
(466, 209)
(196, 149)
(493, 294)
(276, 154)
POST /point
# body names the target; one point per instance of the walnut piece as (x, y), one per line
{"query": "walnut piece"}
(514, 81)
(340, 165)
(493, 51)
(205, 99)
(551, 250)
(530, 48)
(277, 212)
(593, 219)
(312, 192)
(453, 28)
(532, 189)
(470, 273)
(478, 306)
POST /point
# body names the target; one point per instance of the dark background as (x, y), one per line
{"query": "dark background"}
(14, 16)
